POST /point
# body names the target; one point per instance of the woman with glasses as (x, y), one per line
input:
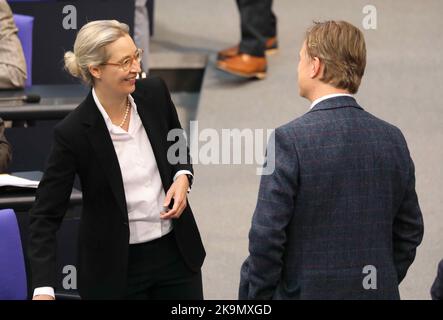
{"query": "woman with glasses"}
(137, 237)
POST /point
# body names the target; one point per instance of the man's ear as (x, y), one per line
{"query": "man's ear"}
(95, 71)
(316, 67)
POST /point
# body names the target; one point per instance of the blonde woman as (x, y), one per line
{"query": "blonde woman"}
(130, 245)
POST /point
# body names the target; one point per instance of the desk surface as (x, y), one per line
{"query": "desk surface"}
(24, 199)
(56, 102)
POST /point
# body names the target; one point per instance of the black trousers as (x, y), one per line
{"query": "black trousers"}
(437, 287)
(258, 23)
(156, 271)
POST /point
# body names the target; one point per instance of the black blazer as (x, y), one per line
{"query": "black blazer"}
(82, 145)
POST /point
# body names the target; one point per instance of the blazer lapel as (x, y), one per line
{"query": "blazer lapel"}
(103, 147)
(157, 136)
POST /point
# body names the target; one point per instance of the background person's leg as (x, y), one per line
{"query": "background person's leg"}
(257, 24)
(249, 60)
(270, 29)
(141, 31)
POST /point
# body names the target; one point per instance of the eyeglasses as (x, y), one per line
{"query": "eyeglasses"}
(127, 63)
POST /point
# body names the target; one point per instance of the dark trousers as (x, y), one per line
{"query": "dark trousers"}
(258, 23)
(156, 271)
(437, 287)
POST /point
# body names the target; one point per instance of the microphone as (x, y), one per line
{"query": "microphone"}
(29, 98)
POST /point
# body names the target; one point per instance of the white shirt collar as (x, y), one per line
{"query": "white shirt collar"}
(105, 115)
(329, 96)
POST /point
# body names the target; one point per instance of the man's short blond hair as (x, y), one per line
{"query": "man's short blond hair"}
(342, 49)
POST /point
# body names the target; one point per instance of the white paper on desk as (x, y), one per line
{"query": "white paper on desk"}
(8, 180)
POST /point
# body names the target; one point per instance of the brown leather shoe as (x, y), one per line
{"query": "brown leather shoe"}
(271, 48)
(244, 65)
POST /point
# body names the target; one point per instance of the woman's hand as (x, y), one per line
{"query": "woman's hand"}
(178, 191)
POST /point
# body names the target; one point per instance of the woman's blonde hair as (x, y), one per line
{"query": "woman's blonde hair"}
(90, 47)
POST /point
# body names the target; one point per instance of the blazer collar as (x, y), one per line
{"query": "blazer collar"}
(92, 116)
(336, 102)
(89, 112)
(156, 132)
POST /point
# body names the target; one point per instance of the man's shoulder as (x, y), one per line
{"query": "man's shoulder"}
(287, 129)
(317, 122)
(314, 119)
(390, 128)
(297, 124)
